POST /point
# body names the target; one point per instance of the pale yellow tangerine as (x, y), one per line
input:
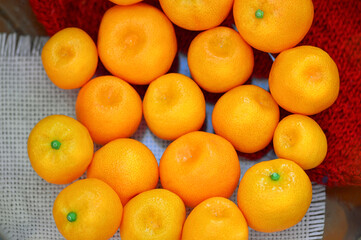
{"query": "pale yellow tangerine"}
(70, 58)
(73, 154)
(271, 205)
(173, 106)
(300, 139)
(304, 80)
(157, 214)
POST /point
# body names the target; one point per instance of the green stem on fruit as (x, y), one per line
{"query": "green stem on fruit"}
(55, 144)
(259, 13)
(71, 217)
(275, 176)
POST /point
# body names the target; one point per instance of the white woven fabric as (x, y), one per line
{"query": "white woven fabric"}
(27, 96)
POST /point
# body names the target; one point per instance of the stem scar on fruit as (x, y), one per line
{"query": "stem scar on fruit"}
(259, 13)
(275, 176)
(55, 144)
(71, 217)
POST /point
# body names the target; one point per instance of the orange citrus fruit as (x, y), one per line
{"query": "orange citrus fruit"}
(273, 26)
(274, 195)
(196, 15)
(125, 2)
(156, 214)
(136, 43)
(110, 108)
(127, 165)
(300, 139)
(219, 59)
(199, 165)
(70, 58)
(215, 218)
(173, 106)
(304, 80)
(60, 149)
(247, 117)
(87, 209)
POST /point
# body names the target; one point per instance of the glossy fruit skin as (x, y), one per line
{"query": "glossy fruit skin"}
(219, 59)
(153, 215)
(304, 80)
(300, 139)
(283, 25)
(274, 205)
(97, 208)
(247, 117)
(196, 15)
(126, 165)
(194, 166)
(70, 58)
(110, 108)
(215, 218)
(173, 106)
(70, 160)
(136, 43)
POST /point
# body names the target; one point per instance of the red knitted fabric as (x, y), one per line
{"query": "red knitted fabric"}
(336, 29)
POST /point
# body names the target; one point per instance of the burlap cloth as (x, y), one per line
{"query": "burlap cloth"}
(27, 96)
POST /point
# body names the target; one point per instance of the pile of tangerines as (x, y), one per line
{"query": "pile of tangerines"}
(137, 44)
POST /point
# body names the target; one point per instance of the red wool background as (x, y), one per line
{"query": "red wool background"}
(336, 29)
